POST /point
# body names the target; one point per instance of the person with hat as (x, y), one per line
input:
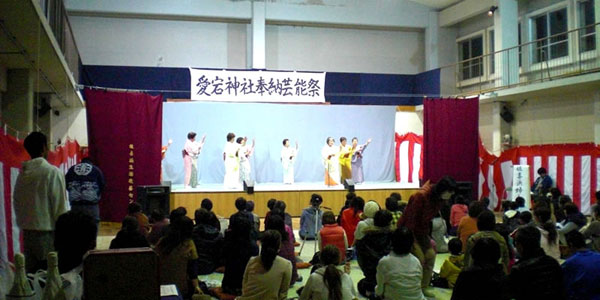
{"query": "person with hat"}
(371, 208)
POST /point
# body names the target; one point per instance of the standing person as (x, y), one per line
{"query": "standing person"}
(357, 150)
(232, 163)
(245, 153)
(191, 150)
(163, 153)
(288, 158)
(39, 199)
(542, 184)
(328, 282)
(345, 160)
(421, 209)
(330, 155)
(85, 183)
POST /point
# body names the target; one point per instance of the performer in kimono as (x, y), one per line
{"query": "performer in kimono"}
(163, 153)
(288, 158)
(244, 154)
(345, 159)
(330, 155)
(190, 152)
(232, 163)
(357, 150)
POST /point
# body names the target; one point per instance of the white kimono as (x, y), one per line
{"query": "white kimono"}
(288, 158)
(232, 165)
(244, 155)
(331, 164)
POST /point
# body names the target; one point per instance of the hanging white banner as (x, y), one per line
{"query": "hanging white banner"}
(521, 186)
(257, 86)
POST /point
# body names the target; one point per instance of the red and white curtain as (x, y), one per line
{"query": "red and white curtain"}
(409, 158)
(12, 154)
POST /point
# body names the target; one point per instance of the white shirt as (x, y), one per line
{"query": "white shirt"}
(40, 195)
(399, 277)
(316, 289)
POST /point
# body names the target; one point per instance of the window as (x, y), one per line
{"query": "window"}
(492, 54)
(520, 48)
(468, 49)
(587, 36)
(546, 25)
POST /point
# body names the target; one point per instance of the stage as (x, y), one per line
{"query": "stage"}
(296, 196)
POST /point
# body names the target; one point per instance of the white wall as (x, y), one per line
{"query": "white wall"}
(344, 50)
(71, 123)
(141, 42)
(409, 122)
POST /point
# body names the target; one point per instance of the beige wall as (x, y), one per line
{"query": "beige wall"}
(70, 123)
(486, 125)
(409, 122)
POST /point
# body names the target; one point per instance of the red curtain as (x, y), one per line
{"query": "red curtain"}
(407, 163)
(450, 134)
(124, 134)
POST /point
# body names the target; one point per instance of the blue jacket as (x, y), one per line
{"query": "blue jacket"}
(307, 222)
(581, 275)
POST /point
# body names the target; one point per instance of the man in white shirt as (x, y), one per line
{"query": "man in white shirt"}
(39, 199)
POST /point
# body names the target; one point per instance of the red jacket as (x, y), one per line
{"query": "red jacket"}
(333, 234)
(420, 211)
(349, 223)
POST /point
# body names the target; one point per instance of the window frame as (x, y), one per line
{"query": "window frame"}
(483, 77)
(552, 62)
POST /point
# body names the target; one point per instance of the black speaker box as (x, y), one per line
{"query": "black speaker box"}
(349, 185)
(506, 115)
(153, 197)
(249, 186)
(465, 188)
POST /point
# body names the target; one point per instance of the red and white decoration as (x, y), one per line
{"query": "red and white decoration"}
(11, 157)
(409, 156)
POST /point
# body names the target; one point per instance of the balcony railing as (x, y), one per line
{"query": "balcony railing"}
(566, 54)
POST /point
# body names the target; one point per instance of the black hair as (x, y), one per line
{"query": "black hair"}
(130, 224)
(87, 160)
(504, 230)
(328, 138)
(343, 139)
(74, 234)
(240, 229)
(239, 140)
(556, 192)
(316, 200)
(513, 205)
(402, 240)
(520, 201)
(571, 208)
(528, 237)
(446, 184)
(191, 135)
(350, 196)
(133, 208)
(330, 257)
(176, 214)
(486, 251)
(178, 232)
(382, 218)
(475, 209)
(270, 244)
(285, 140)
(240, 204)
(328, 218)
(391, 204)
(206, 204)
(396, 195)
(575, 240)
(358, 204)
(486, 202)
(355, 138)
(276, 222)
(460, 199)
(525, 217)
(249, 206)
(541, 171)
(564, 199)
(486, 221)
(281, 206)
(156, 216)
(544, 216)
(230, 136)
(455, 246)
(597, 195)
(35, 144)
(271, 203)
(202, 216)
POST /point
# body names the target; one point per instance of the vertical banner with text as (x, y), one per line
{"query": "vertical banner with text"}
(521, 186)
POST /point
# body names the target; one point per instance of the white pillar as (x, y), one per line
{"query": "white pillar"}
(506, 20)
(258, 35)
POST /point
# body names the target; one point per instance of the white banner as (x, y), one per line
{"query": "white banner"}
(521, 183)
(257, 86)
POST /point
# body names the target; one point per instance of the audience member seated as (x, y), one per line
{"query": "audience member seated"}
(485, 278)
(75, 233)
(393, 205)
(134, 209)
(208, 241)
(581, 270)
(511, 215)
(177, 214)
(240, 205)
(574, 221)
(267, 276)
(453, 264)
(525, 218)
(351, 217)
(521, 204)
(457, 212)
(238, 248)
(486, 223)
(311, 217)
(129, 236)
(270, 206)
(504, 231)
(178, 258)
(376, 244)
(287, 241)
(349, 198)
(485, 203)
(555, 202)
(438, 234)
(328, 282)
(159, 227)
(549, 237)
(560, 212)
(536, 275)
(369, 211)
(280, 206)
(214, 219)
(399, 273)
(333, 234)
(592, 231)
(255, 217)
(468, 224)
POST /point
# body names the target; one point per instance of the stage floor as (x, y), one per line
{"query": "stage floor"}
(303, 186)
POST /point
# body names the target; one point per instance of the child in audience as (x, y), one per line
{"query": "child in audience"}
(399, 273)
(333, 234)
(453, 265)
(393, 205)
(368, 213)
(129, 236)
(511, 216)
(438, 233)
(351, 217)
(327, 282)
(457, 212)
(468, 224)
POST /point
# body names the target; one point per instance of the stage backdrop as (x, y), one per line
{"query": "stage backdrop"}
(269, 124)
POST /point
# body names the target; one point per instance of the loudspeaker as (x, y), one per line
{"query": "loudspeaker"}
(464, 188)
(249, 186)
(153, 197)
(349, 185)
(117, 274)
(506, 115)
